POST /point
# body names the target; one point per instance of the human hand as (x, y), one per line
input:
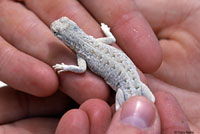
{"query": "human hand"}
(26, 28)
(176, 25)
(21, 113)
(178, 33)
(137, 115)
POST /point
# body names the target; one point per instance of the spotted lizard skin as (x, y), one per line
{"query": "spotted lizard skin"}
(112, 64)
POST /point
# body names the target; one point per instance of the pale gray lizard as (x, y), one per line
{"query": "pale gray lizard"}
(110, 63)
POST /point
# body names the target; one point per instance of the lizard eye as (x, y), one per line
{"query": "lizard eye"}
(75, 28)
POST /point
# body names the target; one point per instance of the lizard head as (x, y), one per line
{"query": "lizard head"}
(66, 30)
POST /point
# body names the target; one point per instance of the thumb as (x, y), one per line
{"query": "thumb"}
(137, 115)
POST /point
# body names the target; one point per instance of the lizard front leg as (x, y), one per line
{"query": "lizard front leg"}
(72, 68)
(110, 39)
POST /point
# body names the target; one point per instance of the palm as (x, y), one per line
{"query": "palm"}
(177, 27)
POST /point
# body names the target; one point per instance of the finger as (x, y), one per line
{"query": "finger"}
(137, 53)
(73, 122)
(28, 33)
(50, 10)
(15, 105)
(30, 126)
(24, 72)
(99, 114)
(171, 115)
(133, 33)
(180, 94)
(137, 115)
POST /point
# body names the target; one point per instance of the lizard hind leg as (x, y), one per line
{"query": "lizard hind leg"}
(119, 99)
(147, 93)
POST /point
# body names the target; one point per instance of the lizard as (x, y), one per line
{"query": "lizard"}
(112, 64)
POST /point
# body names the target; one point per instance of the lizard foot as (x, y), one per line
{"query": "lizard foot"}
(105, 28)
(59, 67)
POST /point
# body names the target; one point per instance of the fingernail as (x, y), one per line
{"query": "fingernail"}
(138, 112)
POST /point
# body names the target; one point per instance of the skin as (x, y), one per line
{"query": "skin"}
(27, 35)
(179, 39)
(175, 24)
(31, 115)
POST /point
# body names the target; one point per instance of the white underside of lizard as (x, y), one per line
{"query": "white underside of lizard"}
(112, 64)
